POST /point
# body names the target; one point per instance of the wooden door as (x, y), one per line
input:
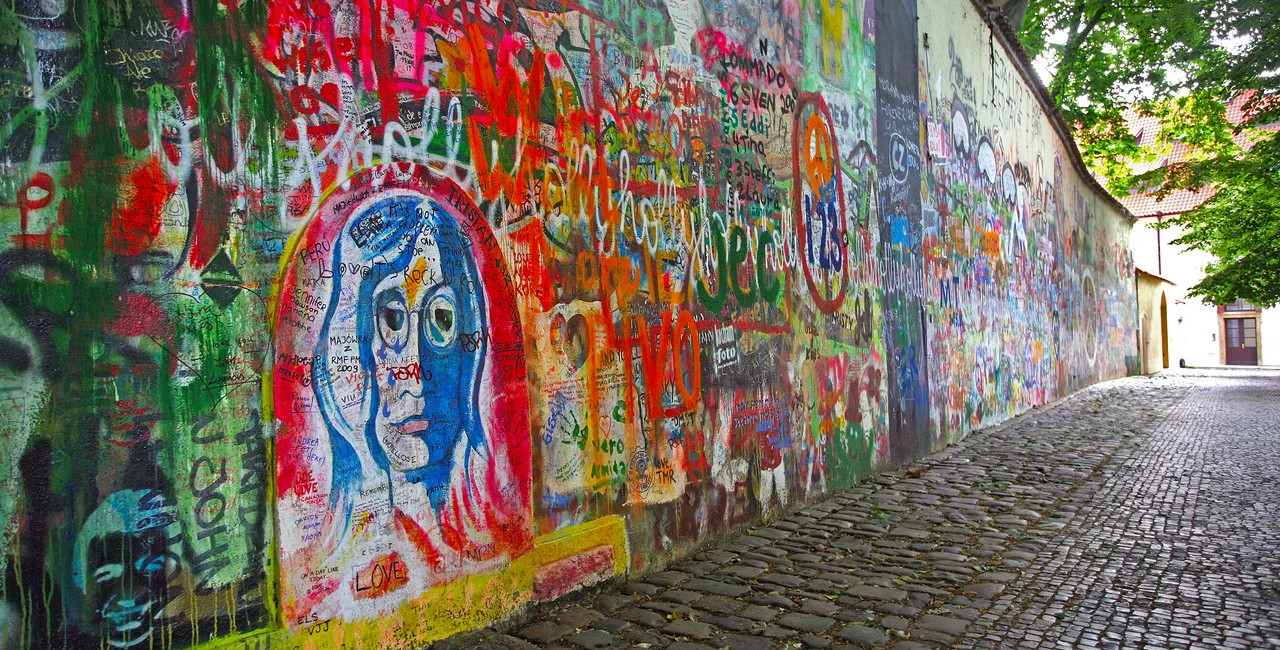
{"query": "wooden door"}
(1242, 341)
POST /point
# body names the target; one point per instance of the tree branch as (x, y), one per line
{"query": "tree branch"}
(1074, 41)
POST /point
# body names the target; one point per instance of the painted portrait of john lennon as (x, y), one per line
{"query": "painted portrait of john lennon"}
(403, 452)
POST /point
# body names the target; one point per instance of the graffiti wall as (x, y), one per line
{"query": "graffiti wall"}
(359, 323)
(1026, 266)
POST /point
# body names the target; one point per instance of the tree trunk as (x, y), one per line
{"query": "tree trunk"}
(1015, 11)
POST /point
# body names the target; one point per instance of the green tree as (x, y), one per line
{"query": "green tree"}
(1240, 225)
(1182, 61)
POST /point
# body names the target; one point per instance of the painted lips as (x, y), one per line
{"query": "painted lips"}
(129, 624)
(412, 427)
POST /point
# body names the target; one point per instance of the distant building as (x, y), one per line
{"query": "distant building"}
(1196, 334)
(1153, 320)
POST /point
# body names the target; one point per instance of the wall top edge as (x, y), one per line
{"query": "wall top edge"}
(1003, 32)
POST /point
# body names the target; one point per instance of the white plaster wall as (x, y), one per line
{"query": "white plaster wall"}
(1195, 329)
(1269, 337)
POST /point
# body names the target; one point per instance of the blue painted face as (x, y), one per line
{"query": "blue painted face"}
(124, 553)
(421, 320)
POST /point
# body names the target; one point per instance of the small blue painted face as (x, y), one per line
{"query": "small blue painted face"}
(126, 553)
(127, 581)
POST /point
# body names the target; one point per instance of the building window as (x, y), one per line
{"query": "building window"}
(1239, 305)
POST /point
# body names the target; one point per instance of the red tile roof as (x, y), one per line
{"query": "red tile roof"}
(1146, 129)
(1147, 205)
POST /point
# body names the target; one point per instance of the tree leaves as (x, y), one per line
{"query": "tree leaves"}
(1208, 71)
(1240, 226)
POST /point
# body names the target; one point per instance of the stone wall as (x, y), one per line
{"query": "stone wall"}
(355, 324)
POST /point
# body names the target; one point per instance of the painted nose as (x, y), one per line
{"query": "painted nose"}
(409, 379)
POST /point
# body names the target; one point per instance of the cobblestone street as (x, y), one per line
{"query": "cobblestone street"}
(1141, 513)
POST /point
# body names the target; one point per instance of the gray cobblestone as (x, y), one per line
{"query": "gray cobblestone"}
(731, 623)
(718, 588)
(812, 641)
(643, 617)
(667, 578)
(545, 632)
(694, 629)
(610, 625)
(806, 622)
(1175, 543)
(863, 635)
(877, 593)
(596, 640)
(1140, 513)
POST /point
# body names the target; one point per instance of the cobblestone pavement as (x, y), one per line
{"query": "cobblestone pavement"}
(1176, 542)
(1141, 513)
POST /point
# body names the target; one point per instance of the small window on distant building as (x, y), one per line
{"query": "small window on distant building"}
(1239, 305)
